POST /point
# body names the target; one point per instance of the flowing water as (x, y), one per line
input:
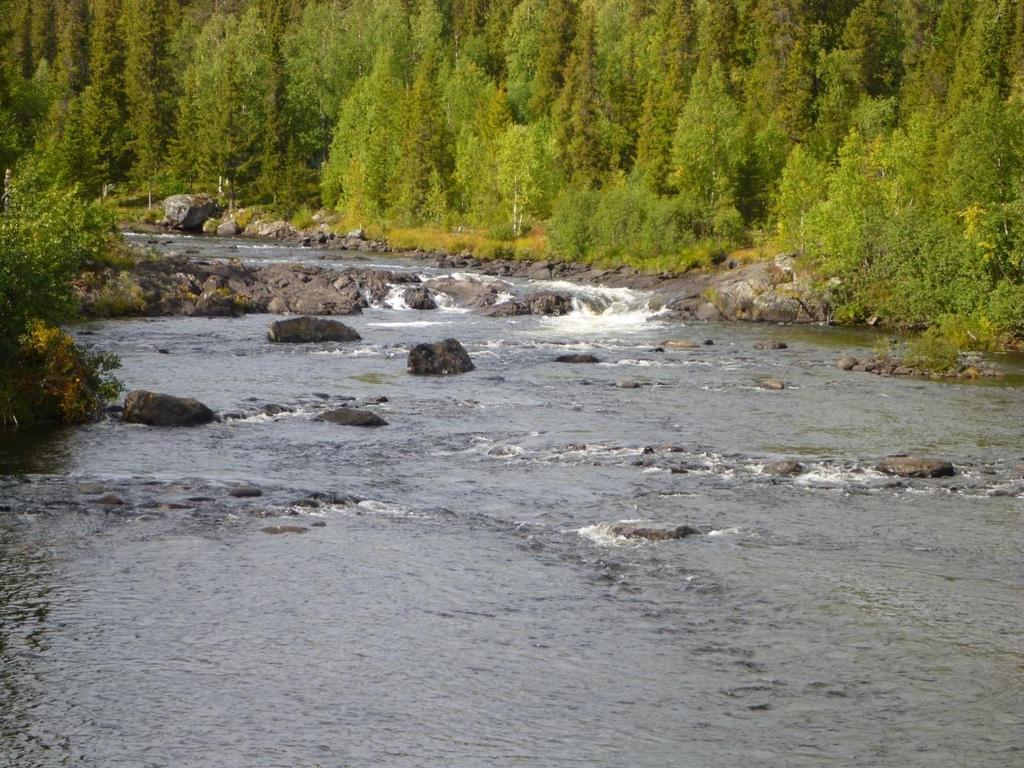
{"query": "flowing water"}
(459, 598)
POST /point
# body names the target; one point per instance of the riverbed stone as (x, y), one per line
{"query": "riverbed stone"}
(110, 500)
(786, 468)
(773, 385)
(679, 344)
(577, 359)
(352, 417)
(847, 363)
(229, 228)
(769, 345)
(445, 358)
(627, 384)
(653, 533)
(245, 491)
(277, 530)
(916, 467)
(160, 410)
(419, 298)
(305, 330)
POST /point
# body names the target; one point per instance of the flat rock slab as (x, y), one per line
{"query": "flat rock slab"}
(445, 358)
(653, 533)
(915, 466)
(352, 417)
(160, 410)
(306, 330)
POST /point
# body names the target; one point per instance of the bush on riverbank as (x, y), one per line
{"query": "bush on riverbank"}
(47, 237)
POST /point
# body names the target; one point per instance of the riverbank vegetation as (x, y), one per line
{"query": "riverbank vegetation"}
(48, 236)
(882, 140)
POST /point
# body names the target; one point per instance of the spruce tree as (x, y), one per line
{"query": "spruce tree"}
(577, 114)
(557, 30)
(103, 113)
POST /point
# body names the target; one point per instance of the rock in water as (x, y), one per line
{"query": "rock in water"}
(245, 491)
(189, 212)
(277, 530)
(577, 359)
(915, 466)
(679, 344)
(159, 410)
(442, 359)
(419, 298)
(763, 345)
(775, 385)
(652, 533)
(847, 363)
(304, 330)
(783, 468)
(351, 417)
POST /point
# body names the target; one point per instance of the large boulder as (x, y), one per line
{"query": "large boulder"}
(915, 466)
(653, 533)
(189, 212)
(352, 417)
(303, 330)
(442, 359)
(419, 298)
(159, 410)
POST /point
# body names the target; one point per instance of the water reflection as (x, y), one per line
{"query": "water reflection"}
(26, 583)
(34, 450)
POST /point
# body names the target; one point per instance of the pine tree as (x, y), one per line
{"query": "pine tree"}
(103, 113)
(557, 30)
(577, 114)
(145, 79)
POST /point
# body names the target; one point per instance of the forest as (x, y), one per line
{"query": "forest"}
(881, 140)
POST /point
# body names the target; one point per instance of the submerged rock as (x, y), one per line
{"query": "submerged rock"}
(577, 359)
(679, 344)
(304, 330)
(444, 358)
(110, 500)
(763, 345)
(783, 468)
(915, 466)
(245, 491)
(276, 530)
(653, 533)
(159, 410)
(352, 417)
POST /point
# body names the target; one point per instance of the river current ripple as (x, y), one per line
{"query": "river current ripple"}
(458, 598)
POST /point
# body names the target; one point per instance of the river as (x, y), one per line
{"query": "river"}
(458, 598)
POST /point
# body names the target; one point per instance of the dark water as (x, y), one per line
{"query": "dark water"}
(465, 603)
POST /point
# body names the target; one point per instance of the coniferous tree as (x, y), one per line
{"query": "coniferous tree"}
(102, 109)
(577, 114)
(557, 31)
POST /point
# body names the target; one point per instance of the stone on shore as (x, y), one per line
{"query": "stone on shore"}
(916, 466)
(189, 212)
(352, 417)
(229, 228)
(304, 330)
(445, 358)
(159, 410)
(653, 533)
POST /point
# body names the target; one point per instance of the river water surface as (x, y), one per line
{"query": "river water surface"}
(458, 598)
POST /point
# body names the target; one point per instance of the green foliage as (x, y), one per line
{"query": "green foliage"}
(932, 351)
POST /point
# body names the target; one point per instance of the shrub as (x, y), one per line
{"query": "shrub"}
(932, 351)
(55, 379)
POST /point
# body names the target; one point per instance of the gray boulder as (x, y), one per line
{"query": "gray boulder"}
(304, 330)
(159, 410)
(847, 363)
(351, 417)
(189, 212)
(442, 359)
(229, 228)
